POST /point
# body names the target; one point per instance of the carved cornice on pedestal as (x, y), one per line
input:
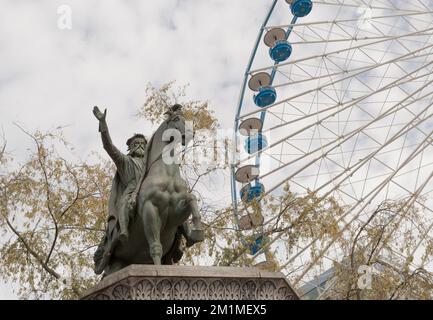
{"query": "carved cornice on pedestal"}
(149, 282)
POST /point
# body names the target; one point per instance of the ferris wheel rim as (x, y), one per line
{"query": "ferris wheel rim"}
(423, 52)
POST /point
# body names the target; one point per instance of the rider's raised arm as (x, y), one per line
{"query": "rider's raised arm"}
(114, 153)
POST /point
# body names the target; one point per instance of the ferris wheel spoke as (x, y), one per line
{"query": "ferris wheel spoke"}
(356, 166)
(395, 83)
(343, 103)
(348, 118)
(409, 202)
(340, 72)
(385, 174)
(370, 197)
(350, 77)
(405, 17)
(402, 131)
(427, 11)
(398, 40)
(360, 39)
(358, 4)
(340, 51)
(411, 112)
(343, 79)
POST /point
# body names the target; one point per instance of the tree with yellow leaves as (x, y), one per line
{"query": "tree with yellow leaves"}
(53, 209)
(53, 215)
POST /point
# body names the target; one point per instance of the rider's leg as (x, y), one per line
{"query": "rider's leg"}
(152, 229)
(124, 222)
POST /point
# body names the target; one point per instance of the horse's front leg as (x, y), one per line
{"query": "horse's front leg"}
(152, 229)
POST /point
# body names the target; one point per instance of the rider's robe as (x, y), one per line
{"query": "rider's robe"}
(128, 174)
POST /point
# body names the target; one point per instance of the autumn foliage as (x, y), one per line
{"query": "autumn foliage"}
(53, 215)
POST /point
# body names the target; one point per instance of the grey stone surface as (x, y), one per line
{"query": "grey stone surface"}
(151, 282)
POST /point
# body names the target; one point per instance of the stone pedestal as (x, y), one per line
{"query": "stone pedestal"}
(150, 282)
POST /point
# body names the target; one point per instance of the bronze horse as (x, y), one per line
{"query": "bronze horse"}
(163, 204)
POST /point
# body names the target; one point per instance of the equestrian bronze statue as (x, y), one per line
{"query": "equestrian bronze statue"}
(150, 203)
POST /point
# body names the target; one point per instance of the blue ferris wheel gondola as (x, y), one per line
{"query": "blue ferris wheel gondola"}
(281, 51)
(248, 193)
(265, 97)
(256, 245)
(279, 48)
(261, 83)
(300, 8)
(255, 143)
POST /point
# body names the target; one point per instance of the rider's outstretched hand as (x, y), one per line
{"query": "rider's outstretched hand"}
(98, 114)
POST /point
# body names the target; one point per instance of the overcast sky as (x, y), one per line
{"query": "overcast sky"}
(51, 76)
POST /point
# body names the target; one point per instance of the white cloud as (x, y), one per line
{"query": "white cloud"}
(51, 77)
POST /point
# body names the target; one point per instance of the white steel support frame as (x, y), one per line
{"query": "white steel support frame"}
(335, 75)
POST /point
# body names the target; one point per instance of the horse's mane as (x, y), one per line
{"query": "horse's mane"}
(150, 143)
(149, 148)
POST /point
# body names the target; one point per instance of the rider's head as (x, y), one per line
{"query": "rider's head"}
(137, 145)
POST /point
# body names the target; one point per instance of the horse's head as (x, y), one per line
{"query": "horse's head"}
(176, 121)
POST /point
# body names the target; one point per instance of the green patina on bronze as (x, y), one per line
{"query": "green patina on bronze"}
(149, 203)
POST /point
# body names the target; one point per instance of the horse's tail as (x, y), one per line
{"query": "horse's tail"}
(175, 253)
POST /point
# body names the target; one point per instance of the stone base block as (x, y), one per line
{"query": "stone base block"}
(150, 282)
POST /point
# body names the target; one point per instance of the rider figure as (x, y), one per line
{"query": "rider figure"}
(129, 169)
(121, 206)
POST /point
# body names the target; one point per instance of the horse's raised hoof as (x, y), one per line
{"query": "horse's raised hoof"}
(194, 237)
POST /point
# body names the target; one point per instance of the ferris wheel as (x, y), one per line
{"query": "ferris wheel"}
(336, 101)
